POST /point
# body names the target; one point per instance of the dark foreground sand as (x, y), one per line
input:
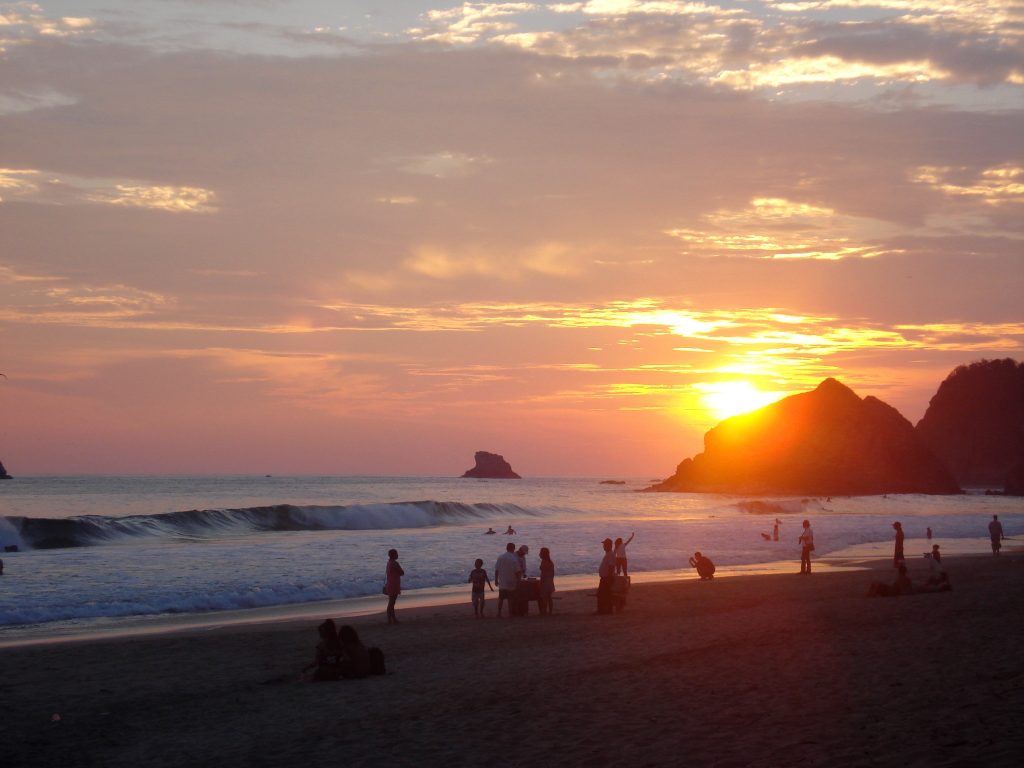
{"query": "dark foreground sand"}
(763, 670)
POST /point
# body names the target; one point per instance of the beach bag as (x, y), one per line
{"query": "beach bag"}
(376, 661)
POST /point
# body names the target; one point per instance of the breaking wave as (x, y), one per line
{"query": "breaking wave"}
(196, 524)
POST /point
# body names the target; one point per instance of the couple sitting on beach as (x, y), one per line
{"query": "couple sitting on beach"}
(341, 654)
(938, 581)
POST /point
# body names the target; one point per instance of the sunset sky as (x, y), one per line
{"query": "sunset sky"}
(346, 237)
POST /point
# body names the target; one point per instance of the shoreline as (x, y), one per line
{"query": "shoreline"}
(858, 557)
(757, 670)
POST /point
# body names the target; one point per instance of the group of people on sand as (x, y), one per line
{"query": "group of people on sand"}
(510, 570)
(613, 575)
(339, 654)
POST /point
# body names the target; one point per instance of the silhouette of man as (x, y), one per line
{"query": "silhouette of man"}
(995, 532)
(606, 572)
(506, 576)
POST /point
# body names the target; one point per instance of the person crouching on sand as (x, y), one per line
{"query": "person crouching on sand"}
(705, 568)
(478, 577)
(806, 541)
(393, 583)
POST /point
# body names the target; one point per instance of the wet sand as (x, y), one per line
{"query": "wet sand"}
(753, 670)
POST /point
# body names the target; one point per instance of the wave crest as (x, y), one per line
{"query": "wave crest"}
(196, 524)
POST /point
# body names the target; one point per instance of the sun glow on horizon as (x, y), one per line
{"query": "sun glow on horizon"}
(731, 398)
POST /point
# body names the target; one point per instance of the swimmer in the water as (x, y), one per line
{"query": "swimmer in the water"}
(511, 531)
(490, 531)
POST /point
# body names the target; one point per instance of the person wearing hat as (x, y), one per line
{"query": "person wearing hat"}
(606, 572)
(897, 556)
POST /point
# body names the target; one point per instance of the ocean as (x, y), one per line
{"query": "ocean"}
(146, 553)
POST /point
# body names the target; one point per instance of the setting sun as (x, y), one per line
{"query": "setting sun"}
(730, 398)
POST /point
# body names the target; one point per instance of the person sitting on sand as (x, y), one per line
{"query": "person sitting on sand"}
(355, 658)
(901, 586)
(326, 664)
(510, 531)
(621, 561)
(936, 571)
(705, 568)
(478, 577)
(937, 583)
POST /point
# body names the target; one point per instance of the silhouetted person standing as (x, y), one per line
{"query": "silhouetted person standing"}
(606, 572)
(506, 576)
(393, 583)
(897, 555)
(995, 532)
(806, 541)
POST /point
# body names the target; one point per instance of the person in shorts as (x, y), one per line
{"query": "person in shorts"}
(478, 577)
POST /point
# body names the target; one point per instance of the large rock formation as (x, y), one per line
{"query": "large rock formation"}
(3, 472)
(825, 442)
(491, 465)
(975, 422)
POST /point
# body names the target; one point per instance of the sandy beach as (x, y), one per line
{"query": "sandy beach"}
(751, 670)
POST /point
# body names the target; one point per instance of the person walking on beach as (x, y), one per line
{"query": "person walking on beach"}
(995, 532)
(393, 583)
(621, 562)
(605, 572)
(775, 529)
(545, 603)
(928, 533)
(506, 576)
(806, 541)
(897, 556)
(478, 577)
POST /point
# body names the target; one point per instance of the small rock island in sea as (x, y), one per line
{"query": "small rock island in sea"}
(825, 442)
(3, 473)
(493, 466)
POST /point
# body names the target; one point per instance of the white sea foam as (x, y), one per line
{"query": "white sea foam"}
(329, 541)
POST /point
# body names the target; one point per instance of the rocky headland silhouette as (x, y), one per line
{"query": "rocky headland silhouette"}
(3, 473)
(491, 466)
(975, 424)
(825, 442)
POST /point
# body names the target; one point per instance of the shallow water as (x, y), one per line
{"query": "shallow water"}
(123, 556)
